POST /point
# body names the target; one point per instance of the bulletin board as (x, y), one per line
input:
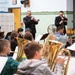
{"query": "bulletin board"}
(7, 22)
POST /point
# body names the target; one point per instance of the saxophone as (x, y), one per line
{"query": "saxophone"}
(20, 53)
(55, 51)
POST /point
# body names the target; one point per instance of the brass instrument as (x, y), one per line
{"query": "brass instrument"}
(55, 51)
(21, 43)
(54, 48)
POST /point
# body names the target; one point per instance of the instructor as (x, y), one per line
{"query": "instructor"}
(30, 23)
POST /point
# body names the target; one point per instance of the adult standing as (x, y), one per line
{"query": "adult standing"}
(61, 20)
(30, 23)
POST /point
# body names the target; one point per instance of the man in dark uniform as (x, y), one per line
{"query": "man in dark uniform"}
(30, 23)
(61, 21)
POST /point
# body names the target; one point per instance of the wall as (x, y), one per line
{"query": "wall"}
(46, 5)
(69, 5)
(11, 5)
(70, 15)
(46, 11)
(3, 5)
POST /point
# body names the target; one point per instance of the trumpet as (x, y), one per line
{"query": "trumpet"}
(55, 51)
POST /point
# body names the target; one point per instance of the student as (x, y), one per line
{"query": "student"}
(28, 36)
(27, 30)
(33, 65)
(60, 35)
(13, 41)
(7, 37)
(20, 33)
(46, 45)
(59, 32)
(1, 35)
(11, 65)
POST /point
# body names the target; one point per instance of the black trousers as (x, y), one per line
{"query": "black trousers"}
(33, 35)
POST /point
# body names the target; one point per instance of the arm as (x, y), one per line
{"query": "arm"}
(65, 21)
(13, 65)
(58, 69)
(35, 21)
(57, 22)
(27, 22)
(30, 21)
(59, 66)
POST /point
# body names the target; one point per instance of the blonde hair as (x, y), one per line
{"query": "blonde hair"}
(45, 50)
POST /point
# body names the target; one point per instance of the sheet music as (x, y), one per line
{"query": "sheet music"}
(15, 53)
(72, 47)
(38, 38)
(71, 68)
(3, 61)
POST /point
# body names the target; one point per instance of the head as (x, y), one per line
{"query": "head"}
(28, 36)
(14, 35)
(20, 31)
(27, 30)
(29, 13)
(61, 13)
(8, 36)
(46, 47)
(32, 50)
(1, 35)
(4, 47)
(60, 29)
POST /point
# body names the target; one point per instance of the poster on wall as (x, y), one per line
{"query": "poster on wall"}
(7, 22)
(14, 2)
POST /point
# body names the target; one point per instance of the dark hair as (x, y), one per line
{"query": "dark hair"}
(20, 30)
(28, 36)
(14, 34)
(30, 49)
(61, 12)
(3, 43)
(1, 35)
(60, 27)
(7, 35)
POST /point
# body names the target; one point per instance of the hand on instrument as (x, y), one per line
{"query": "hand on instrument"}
(61, 22)
(32, 18)
(37, 20)
(61, 60)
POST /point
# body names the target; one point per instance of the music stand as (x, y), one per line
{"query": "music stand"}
(44, 36)
(41, 37)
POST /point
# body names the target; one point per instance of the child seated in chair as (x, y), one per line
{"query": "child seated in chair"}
(33, 65)
(11, 65)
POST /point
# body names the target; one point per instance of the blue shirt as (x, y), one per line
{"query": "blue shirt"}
(58, 34)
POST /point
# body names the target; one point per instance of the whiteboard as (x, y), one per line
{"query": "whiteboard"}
(7, 22)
